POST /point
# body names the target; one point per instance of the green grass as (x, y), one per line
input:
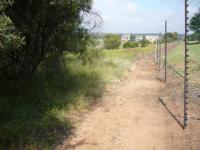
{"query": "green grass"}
(35, 113)
(195, 52)
(176, 55)
(176, 58)
(117, 62)
(128, 54)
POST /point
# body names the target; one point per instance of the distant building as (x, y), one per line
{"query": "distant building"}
(125, 38)
(139, 38)
(152, 38)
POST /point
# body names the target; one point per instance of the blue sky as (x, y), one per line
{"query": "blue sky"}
(140, 16)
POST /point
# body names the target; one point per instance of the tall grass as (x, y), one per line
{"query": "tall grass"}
(34, 113)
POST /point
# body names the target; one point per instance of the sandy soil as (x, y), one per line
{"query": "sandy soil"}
(132, 117)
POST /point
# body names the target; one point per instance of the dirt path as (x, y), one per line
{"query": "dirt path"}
(131, 117)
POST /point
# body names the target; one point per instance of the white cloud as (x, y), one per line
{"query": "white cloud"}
(131, 16)
(115, 12)
(115, 7)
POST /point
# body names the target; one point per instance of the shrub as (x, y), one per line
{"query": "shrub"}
(145, 43)
(112, 41)
(92, 56)
(194, 37)
(131, 45)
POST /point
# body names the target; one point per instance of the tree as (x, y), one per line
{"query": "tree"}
(195, 25)
(133, 37)
(171, 37)
(194, 37)
(11, 42)
(144, 42)
(48, 28)
(112, 41)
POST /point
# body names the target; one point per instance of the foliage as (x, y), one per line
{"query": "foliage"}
(11, 42)
(133, 37)
(144, 42)
(47, 28)
(131, 45)
(195, 26)
(171, 37)
(194, 37)
(35, 86)
(92, 56)
(112, 41)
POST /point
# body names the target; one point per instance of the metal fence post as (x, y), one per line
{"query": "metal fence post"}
(186, 67)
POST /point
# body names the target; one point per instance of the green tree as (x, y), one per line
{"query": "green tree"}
(171, 37)
(48, 28)
(144, 42)
(194, 37)
(11, 42)
(112, 41)
(195, 25)
(133, 37)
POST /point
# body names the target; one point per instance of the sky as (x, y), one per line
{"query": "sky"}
(141, 16)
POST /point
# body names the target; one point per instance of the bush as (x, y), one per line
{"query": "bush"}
(145, 43)
(194, 37)
(170, 37)
(112, 41)
(92, 56)
(131, 45)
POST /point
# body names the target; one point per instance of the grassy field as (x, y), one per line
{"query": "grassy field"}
(34, 114)
(176, 59)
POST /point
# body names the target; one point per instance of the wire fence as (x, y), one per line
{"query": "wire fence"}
(181, 72)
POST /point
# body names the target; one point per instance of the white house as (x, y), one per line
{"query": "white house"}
(152, 38)
(125, 38)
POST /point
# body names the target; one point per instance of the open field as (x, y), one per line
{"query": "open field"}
(38, 111)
